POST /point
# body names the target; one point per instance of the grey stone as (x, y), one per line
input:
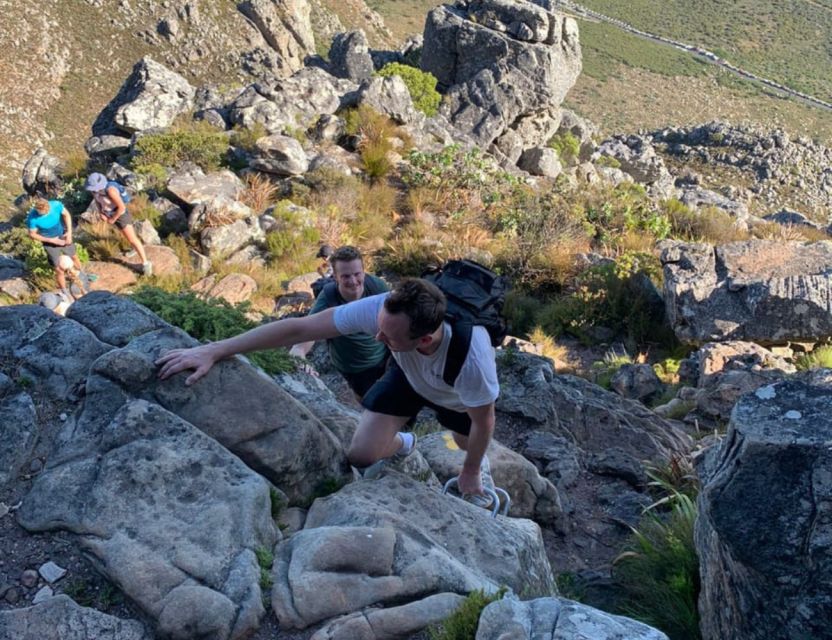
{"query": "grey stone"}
(281, 155)
(763, 532)
(193, 186)
(390, 97)
(115, 320)
(228, 238)
(60, 618)
(106, 146)
(557, 619)
(541, 161)
(29, 578)
(757, 291)
(51, 572)
(349, 56)
(133, 497)
(392, 540)
(286, 26)
(41, 173)
(43, 594)
(636, 381)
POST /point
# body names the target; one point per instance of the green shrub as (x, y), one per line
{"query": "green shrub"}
(197, 142)
(210, 320)
(708, 224)
(567, 145)
(608, 161)
(462, 623)
(820, 358)
(265, 560)
(246, 138)
(374, 157)
(420, 84)
(604, 370)
(294, 243)
(658, 573)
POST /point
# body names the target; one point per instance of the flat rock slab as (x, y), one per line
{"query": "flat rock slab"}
(169, 516)
(759, 291)
(393, 540)
(59, 618)
(557, 619)
(114, 319)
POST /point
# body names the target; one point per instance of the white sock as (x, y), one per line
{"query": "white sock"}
(407, 442)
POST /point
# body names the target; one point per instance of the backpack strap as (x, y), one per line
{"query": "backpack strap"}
(461, 333)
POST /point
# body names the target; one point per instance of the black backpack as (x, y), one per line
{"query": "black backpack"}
(476, 296)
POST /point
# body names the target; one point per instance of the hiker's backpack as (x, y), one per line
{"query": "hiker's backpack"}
(122, 190)
(475, 296)
(329, 288)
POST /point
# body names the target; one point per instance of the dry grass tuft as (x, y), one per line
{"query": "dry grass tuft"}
(260, 192)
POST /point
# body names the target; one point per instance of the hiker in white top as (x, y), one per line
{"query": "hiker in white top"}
(410, 320)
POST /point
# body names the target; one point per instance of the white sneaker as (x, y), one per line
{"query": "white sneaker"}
(147, 268)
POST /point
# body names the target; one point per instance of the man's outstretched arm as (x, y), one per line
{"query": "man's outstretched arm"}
(482, 428)
(268, 336)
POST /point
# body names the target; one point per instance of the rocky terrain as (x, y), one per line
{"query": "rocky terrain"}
(151, 509)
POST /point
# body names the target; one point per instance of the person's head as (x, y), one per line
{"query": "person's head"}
(348, 271)
(41, 205)
(412, 313)
(96, 182)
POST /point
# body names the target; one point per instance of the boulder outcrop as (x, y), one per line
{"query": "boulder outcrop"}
(759, 291)
(764, 527)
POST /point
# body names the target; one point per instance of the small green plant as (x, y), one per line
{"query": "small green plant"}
(246, 138)
(420, 84)
(197, 142)
(212, 319)
(142, 209)
(569, 586)
(608, 161)
(265, 560)
(292, 244)
(659, 571)
(820, 358)
(604, 370)
(462, 624)
(277, 502)
(80, 592)
(567, 145)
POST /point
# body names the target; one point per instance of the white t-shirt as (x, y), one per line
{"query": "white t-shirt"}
(476, 384)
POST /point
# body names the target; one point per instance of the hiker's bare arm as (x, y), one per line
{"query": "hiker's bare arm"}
(482, 428)
(67, 225)
(58, 242)
(269, 336)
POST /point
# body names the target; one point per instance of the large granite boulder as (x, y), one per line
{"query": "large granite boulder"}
(286, 26)
(194, 186)
(294, 101)
(18, 429)
(759, 291)
(166, 513)
(113, 319)
(349, 56)
(557, 619)
(151, 98)
(638, 158)
(281, 155)
(394, 540)
(41, 173)
(764, 531)
(59, 618)
(500, 62)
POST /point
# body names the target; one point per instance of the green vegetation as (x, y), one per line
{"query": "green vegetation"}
(819, 358)
(209, 320)
(420, 84)
(567, 145)
(296, 239)
(462, 624)
(246, 138)
(265, 560)
(196, 142)
(278, 503)
(604, 370)
(786, 41)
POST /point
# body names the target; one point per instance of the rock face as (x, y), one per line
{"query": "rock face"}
(349, 56)
(151, 97)
(40, 173)
(501, 63)
(18, 429)
(285, 25)
(168, 476)
(74, 622)
(760, 291)
(556, 619)
(764, 527)
(392, 540)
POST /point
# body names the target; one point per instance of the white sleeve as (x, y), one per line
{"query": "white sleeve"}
(360, 316)
(477, 383)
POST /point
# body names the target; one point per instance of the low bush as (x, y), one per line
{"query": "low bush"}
(462, 624)
(246, 138)
(295, 241)
(820, 358)
(604, 370)
(708, 224)
(210, 320)
(420, 84)
(567, 145)
(196, 142)
(142, 209)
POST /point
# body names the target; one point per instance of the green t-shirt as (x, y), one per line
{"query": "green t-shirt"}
(358, 351)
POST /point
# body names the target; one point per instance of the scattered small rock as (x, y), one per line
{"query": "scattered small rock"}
(36, 466)
(12, 595)
(43, 594)
(29, 578)
(51, 572)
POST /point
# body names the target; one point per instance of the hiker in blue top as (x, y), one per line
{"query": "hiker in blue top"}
(111, 200)
(359, 357)
(49, 222)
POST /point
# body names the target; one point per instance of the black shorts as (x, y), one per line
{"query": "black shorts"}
(393, 396)
(124, 220)
(55, 252)
(361, 382)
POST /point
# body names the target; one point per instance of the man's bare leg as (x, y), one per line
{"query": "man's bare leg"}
(375, 438)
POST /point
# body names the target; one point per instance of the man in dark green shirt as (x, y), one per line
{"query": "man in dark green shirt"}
(359, 357)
